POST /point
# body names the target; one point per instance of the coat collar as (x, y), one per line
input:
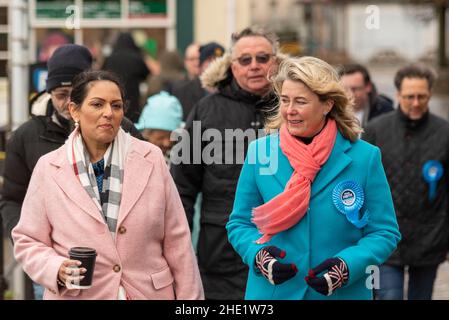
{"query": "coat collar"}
(71, 186)
(137, 171)
(337, 162)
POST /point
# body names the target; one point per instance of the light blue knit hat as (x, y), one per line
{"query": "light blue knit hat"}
(162, 111)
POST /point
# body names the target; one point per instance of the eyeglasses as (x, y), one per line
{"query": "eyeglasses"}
(246, 59)
(61, 95)
(421, 97)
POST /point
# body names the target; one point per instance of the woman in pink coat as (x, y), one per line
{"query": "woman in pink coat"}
(109, 191)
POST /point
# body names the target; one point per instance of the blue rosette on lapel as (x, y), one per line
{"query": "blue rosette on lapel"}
(432, 172)
(348, 197)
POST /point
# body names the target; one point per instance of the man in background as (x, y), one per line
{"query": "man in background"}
(190, 92)
(241, 98)
(192, 61)
(368, 104)
(415, 154)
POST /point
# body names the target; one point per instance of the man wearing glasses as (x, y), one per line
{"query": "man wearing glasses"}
(368, 104)
(415, 155)
(192, 61)
(242, 96)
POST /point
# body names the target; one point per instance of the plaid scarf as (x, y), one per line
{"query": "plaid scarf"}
(108, 199)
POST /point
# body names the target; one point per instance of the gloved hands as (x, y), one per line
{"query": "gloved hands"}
(336, 276)
(274, 271)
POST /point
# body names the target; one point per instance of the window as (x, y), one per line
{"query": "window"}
(3, 42)
(3, 16)
(145, 8)
(106, 9)
(2, 68)
(49, 9)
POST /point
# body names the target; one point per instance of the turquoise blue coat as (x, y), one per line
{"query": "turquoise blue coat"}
(323, 232)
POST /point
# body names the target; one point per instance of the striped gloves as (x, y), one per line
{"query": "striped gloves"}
(336, 276)
(274, 271)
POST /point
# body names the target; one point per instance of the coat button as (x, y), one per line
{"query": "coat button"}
(122, 230)
(116, 268)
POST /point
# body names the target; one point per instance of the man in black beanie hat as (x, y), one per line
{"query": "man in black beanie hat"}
(65, 63)
(47, 130)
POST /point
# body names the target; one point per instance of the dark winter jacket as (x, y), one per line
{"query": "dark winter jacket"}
(223, 273)
(188, 93)
(406, 147)
(36, 137)
(379, 104)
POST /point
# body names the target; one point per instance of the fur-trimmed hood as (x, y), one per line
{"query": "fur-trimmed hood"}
(39, 104)
(216, 72)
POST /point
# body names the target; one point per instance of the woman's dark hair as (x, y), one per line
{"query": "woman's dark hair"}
(83, 82)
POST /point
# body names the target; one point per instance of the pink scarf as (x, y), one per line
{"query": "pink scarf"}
(288, 208)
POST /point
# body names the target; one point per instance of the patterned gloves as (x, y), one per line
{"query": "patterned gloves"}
(336, 276)
(274, 271)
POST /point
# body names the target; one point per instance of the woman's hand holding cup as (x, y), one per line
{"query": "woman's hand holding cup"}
(70, 274)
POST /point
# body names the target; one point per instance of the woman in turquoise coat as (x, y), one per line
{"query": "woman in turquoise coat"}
(313, 214)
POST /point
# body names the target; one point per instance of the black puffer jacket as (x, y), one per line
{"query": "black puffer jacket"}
(223, 273)
(406, 146)
(36, 137)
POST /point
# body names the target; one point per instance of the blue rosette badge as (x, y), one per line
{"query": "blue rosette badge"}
(432, 172)
(348, 198)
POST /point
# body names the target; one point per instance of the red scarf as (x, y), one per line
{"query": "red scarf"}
(288, 208)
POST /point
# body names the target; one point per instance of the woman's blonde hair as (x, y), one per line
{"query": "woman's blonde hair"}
(323, 80)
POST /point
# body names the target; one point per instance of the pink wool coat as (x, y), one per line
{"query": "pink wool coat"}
(152, 256)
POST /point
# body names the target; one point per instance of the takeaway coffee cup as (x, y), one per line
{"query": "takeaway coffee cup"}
(87, 257)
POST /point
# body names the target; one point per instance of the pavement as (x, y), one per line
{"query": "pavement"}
(441, 287)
